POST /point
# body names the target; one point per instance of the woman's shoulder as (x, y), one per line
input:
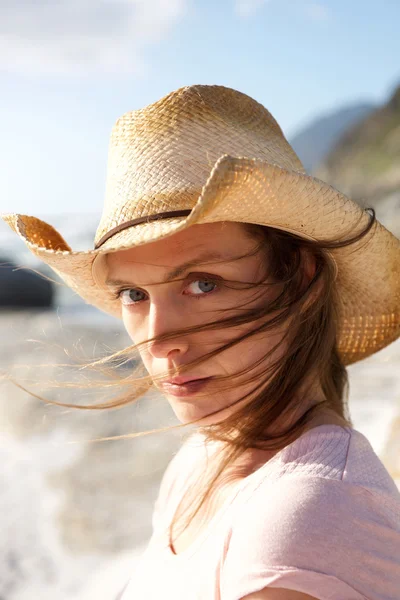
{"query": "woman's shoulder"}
(330, 470)
(334, 452)
(325, 504)
(330, 485)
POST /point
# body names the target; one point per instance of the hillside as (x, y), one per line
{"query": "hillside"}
(365, 163)
(314, 142)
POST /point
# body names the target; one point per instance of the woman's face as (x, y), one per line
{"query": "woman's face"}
(149, 310)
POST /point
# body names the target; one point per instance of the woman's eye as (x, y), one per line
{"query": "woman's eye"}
(203, 285)
(128, 297)
(134, 296)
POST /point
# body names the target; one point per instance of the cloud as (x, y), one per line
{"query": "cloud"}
(83, 36)
(245, 8)
(318, 12)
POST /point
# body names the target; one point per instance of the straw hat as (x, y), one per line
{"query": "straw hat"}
(207, 153)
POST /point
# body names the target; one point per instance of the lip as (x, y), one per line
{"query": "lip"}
(178, 380)
(187, 388)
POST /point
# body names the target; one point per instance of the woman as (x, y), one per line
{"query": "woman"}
(247, 286)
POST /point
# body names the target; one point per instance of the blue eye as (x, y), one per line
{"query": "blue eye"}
(206, 283)
(130, 297)
(132, 294)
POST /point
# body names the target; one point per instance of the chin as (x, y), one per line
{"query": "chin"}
(187, 412)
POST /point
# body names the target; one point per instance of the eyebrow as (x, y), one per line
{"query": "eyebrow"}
(179, 270)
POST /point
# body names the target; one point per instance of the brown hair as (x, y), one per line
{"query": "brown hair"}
(310, 308)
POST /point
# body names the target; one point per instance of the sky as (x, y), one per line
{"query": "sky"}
(69, 69)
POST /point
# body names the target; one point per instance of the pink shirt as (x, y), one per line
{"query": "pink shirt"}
(321, 517)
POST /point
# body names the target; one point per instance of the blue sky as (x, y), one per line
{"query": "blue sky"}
(69, 69)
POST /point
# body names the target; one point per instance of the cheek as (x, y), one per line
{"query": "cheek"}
(128, 324)
(249, 351)
(132, 326)
(140, 353)
(133, 329)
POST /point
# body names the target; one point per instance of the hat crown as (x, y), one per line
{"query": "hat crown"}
(161, 156)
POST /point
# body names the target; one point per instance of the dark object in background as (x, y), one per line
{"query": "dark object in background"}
(21, 288)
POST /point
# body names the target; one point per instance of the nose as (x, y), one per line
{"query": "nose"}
(165, 319)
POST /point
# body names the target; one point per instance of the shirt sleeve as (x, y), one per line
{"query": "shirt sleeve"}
(318, 536)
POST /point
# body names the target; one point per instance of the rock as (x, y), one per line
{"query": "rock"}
(365, 162)
(22, 288)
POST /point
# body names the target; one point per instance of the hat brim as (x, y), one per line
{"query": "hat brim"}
(255, 191)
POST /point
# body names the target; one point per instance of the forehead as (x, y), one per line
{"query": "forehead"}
(214, 240)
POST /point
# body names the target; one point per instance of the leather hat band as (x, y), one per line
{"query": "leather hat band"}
(146, 219)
